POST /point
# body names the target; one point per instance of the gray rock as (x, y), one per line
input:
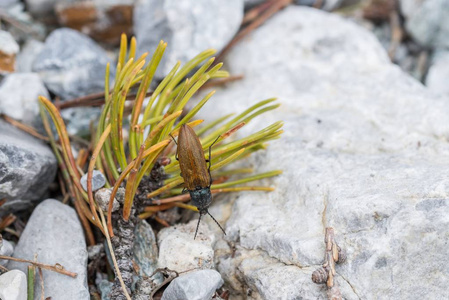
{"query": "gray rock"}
(94, 252)
(364, 151)
(55, 235)
(327, 5)
(102, 197)
(71, 64)
(208, 24)
(27, 166)
(178, 250)
(98, 180)
(13, 285)
(19, 94)
(27, 55)
(145, 248)
(6, 249)
(199, 285)
(436, 79)
(41, 8)
(78, 119)
(427, 21)
(15, 206)
(252, 3)
(105, 288)
(7, 3)
(21, 15)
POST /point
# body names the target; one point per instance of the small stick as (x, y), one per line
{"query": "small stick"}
(325, 274)
(171, 274)
(18, 24)
(42, 283)
(275, 6)
(56, 268)
(95, 99)
(255, 12)
(396, 33)
(221, 81)
(161, 221)
(4, 270)
(26, 128)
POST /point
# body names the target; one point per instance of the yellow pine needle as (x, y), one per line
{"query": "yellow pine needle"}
(129, 190)
(90, 170)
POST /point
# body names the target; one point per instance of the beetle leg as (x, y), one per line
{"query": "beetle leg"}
(210, 159)
(176, 154)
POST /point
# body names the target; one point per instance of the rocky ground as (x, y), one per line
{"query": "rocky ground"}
(364, 97)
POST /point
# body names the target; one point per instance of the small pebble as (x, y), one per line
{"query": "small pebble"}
(199, 285)
(6, 249)
(98, 181)
(102, 197)
(13, 285)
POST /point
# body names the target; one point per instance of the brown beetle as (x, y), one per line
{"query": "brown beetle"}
(194, 171)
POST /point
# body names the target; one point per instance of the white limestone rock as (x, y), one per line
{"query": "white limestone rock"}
(13, 285)
(178, 250)
(364, 151)
(19, 94)
(436, 79)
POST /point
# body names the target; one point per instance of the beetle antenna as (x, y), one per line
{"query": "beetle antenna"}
(197, 225)
(216, 222)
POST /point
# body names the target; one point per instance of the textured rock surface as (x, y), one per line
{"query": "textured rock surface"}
(271, 279)
(427, 21)
(19, 97)
(188, 27)
(364, 151)
(55, 234)
(145, 248)
(13, 285)
(71, 64)
(438, 73)
(27, 166)
(178, 250)
(199, 285)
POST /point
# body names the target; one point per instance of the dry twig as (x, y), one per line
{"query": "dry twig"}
(42, 283)
(262, 16)
(95, 99)
(56, 268)
(325, 274)
(26, 128)
(397, 33)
